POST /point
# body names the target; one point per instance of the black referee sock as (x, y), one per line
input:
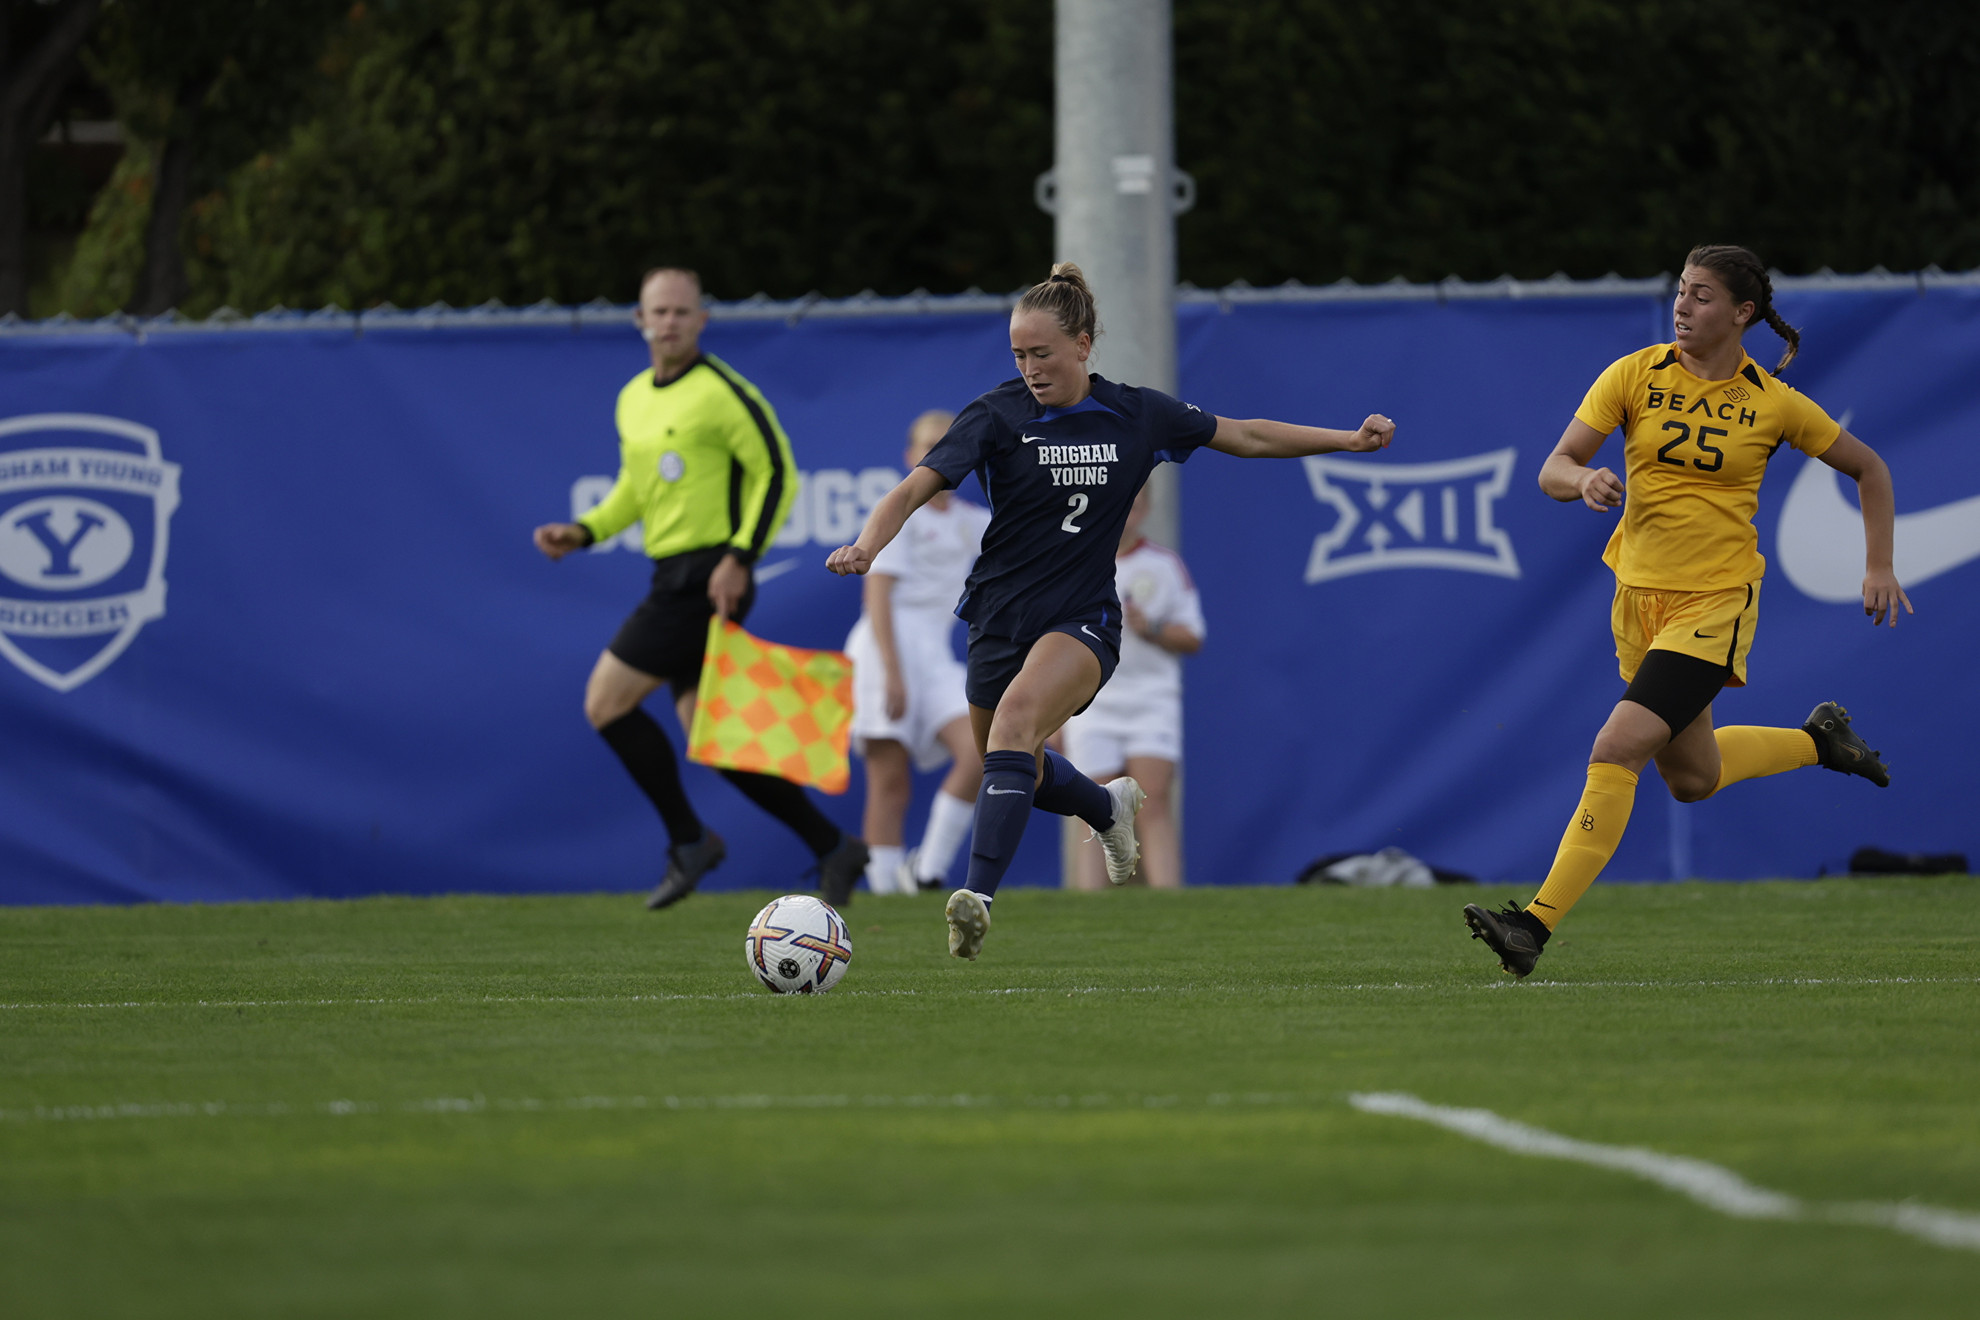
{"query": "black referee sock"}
(788, 803)
(649, 758)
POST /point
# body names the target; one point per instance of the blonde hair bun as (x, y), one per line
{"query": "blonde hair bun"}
(1065, 294)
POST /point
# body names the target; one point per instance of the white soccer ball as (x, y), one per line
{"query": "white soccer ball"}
(798, 946)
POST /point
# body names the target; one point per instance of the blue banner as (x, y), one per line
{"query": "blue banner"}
(1434, 680)
(273, 625)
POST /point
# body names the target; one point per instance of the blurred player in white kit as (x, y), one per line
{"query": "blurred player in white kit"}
(908, 701)
(1134, 726)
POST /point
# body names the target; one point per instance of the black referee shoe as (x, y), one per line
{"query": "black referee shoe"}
(840, 869)
(686, 864)
(1516, 936)
(1838, 747)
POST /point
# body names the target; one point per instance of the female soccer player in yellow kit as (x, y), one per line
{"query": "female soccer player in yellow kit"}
(1700, 419)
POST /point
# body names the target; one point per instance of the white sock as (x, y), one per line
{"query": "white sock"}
(949, 820)
(882, 865)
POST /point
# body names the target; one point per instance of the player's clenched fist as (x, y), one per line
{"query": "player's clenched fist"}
(559, 539)
(1375, 433)
(848, 559)
(1601, 490)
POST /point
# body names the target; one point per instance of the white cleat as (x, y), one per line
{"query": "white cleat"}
(969, 922)
(905, 881)
(1117, 840)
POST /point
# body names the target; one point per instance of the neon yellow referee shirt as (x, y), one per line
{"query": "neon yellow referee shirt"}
(702, 461)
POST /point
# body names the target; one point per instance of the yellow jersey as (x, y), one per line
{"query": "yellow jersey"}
(702, 461)
(1693, 453)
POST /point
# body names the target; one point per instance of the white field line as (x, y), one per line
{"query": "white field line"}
(480, 1104)
(1710, 1185)
(1350, 988)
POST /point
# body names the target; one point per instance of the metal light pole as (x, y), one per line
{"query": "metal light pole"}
(1115, 192)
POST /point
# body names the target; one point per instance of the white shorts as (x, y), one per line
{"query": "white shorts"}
(934, 679)
(1102, 740)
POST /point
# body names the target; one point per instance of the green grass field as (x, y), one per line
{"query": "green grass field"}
(1135, 1105)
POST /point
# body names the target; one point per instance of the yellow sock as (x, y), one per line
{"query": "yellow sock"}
(1747, 751)
(1589, 843)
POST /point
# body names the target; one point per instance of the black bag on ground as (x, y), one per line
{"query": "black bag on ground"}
(1876, 861)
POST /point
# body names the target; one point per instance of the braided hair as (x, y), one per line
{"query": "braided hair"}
(1065, 295)
(1747, 280)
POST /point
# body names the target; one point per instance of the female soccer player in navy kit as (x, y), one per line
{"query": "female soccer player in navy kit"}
(1060, 453)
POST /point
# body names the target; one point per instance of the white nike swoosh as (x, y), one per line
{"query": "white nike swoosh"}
(1029, 438)
(1821, 538)
(1003, 792)
(776, 570)
(1090, 633)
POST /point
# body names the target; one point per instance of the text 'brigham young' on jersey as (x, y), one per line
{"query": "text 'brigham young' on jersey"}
(1060, 482)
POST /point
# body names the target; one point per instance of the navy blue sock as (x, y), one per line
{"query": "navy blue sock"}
(1064, 791)
(1003, 805)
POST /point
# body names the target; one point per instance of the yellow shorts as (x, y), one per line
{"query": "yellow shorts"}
(1714, 626)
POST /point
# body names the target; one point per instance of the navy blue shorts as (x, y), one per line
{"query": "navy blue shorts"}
(995, 661)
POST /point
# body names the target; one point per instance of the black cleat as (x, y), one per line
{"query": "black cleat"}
(1515, 935)
(686, 864)
(840, 869)
(1838, 747)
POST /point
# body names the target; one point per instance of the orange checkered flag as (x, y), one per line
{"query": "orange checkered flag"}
(777, 710)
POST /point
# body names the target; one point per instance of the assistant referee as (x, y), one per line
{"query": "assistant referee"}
(705, 465)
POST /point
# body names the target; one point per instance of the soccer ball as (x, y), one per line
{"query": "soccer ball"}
(798, 946)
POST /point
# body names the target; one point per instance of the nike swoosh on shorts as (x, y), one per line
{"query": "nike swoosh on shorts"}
(1820, 544)
(1003, 792)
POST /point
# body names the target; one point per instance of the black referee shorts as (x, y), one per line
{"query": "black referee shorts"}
(667, 633)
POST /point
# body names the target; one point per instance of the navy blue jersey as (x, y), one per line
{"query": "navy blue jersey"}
(1060, 482)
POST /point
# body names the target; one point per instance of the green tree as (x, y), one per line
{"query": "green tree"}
(521, 149)
(1423, 138)
(38, 48)
(210, 82)
(462, 150)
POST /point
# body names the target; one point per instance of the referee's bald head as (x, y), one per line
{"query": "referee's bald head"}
(670, 315)
(655, 272)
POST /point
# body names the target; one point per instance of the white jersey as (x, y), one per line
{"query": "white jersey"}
(929, 562)
(1139, 712)
(1152, 578)
(931, 558)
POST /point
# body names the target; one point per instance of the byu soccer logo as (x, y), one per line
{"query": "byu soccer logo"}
(1411, 515)
(85, 509)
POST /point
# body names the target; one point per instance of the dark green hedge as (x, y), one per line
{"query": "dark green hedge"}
(526, 149)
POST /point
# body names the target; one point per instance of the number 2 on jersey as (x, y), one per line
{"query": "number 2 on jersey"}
(1078, 503)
